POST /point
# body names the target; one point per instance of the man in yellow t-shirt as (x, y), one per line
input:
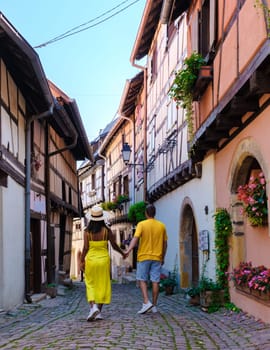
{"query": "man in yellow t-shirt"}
(152, 237)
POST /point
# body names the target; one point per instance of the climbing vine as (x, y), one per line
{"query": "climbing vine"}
(223, 230)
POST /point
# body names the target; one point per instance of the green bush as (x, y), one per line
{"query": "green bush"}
(136, 212)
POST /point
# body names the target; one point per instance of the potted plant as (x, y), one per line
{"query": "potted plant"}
(182, 88)
(168, 284)
(51, 290)
(211, 293)
(194, 295)
(253, 196)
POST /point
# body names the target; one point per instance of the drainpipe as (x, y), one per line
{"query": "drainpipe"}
(50, 258)
(29, 121)
(144, 69)
(166, 11)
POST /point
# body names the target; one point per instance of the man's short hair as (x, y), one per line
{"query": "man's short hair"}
(150, 210)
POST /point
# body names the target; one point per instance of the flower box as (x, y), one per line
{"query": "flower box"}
(243, 289)
(204, 78)
(253, 293)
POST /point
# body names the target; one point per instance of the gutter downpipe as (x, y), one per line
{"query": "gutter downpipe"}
(50, 272)
(29, 121)
(144, 69)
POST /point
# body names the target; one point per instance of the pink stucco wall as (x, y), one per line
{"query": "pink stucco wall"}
(257, 240)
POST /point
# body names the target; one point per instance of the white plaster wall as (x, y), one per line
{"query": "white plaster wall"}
(12, 243)
(201, 193)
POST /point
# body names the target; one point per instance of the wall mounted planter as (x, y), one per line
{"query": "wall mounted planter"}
(204, 78)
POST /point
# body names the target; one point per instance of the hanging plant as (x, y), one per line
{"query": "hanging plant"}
(181, 90)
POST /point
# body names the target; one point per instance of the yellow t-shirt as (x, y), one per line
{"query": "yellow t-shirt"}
(152, 234)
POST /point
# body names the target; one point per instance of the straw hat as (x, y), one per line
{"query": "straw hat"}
(96, 213)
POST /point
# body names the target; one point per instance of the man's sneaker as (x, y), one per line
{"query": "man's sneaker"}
(98, 317)
(154, 309)
(94, 311)
(145, 308)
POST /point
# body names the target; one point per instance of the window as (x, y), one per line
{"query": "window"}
(154, 68)
(63, 191)
(93, 181)
(207, 27)
(126, 185)
(152, 135)
(172, 112)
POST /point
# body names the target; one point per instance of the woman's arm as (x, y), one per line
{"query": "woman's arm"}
(85, 249)
(114, 244)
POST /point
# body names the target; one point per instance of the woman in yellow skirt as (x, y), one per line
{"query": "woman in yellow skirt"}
(95, 261)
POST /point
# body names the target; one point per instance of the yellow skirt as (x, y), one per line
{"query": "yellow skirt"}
(97, 273)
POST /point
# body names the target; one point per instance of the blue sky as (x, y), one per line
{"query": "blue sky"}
(91, 66)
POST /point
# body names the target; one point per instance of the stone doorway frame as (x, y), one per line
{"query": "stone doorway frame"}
(189, 252)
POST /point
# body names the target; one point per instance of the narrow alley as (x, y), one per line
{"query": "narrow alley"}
(60, 323)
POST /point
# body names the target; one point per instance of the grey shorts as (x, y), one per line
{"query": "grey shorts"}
(148, 269)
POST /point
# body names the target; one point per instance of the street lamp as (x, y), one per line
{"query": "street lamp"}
(126, 152)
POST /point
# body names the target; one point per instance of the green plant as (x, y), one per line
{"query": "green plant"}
(253, 196)
(193, 291)
(184, 81)
(122, 198)
(108, 206)
(169, 281)
(223, 230)
(136, 212)
(207, 284)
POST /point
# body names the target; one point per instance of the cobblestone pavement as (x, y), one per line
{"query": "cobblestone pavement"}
(60, 323)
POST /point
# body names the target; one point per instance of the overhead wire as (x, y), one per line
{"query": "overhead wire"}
(74, 30)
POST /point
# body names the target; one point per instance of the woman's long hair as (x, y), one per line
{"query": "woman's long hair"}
(95, 226)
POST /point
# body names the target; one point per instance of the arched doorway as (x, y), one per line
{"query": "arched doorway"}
(189, 257)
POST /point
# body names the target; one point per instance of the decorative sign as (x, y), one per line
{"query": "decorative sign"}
(204, 240)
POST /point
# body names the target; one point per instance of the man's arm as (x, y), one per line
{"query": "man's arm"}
(132, 244)
(164, 250)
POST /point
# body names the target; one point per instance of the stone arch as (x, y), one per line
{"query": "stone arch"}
(244, 155)
(189, 255)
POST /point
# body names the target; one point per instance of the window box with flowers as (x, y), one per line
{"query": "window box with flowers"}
(253, 281)
(254, 199)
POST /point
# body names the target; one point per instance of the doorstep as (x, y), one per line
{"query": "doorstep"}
(38, 297)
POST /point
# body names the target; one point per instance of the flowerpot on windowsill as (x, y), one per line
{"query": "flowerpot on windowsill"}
(204, 78)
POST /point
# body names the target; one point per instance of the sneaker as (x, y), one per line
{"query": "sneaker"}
(99, 317)
(94, 311)
(145, 308)
(154, 309)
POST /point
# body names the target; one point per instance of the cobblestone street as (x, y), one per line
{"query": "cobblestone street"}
(60, 323)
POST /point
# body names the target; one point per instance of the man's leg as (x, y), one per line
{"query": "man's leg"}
(155, 292)
(143, 286)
